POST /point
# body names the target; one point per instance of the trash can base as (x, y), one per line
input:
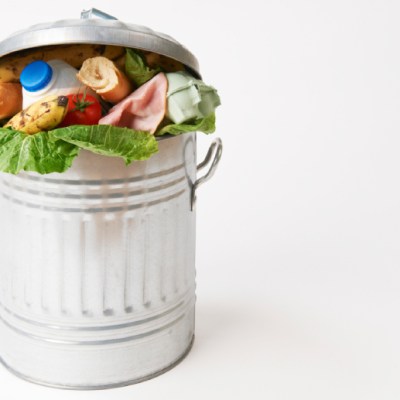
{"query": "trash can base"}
(99, 387)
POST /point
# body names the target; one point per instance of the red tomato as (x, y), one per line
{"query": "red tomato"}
(83, 109)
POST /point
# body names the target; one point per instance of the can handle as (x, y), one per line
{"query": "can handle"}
(94, 12)
(214, 153)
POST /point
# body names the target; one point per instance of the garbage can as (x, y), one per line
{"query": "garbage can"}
(97, 279)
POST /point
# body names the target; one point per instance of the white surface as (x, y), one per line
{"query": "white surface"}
(298, 232)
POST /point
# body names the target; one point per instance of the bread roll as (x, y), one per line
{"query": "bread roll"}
(10, 99)
(102, 76)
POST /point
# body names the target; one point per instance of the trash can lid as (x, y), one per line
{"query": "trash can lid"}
(105, 30)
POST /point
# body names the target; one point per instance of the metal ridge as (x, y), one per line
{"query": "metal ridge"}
(186, 300)
(92, 210)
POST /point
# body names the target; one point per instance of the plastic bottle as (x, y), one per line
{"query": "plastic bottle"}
(40, 79)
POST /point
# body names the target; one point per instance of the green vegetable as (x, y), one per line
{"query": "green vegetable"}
(22, 152)
(109, 141)
(136, 68)
(205, 125)
(54, 151)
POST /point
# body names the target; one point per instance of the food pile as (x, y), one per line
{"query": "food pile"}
(114, 101)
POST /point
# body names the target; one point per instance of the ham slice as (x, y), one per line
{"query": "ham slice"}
(144, 109)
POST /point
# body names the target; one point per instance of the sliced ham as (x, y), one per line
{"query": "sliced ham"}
(144, 109)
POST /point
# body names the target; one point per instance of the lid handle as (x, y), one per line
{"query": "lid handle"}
(94, 12)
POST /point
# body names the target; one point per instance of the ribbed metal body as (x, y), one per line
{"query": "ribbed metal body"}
(97, 278)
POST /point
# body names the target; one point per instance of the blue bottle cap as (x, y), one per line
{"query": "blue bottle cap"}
(36, 75)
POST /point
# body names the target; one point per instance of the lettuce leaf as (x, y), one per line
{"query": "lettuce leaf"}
(22, 152)
(205, 125)
(136, 68)
(109, 141)
(54, 151)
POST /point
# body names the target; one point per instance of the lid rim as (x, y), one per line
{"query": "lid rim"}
(104, 32)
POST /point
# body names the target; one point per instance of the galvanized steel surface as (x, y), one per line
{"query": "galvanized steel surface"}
(98, 276)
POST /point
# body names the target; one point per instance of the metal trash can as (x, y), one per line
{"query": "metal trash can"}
(97, 278)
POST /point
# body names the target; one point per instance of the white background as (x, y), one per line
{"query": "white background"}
(299, 230)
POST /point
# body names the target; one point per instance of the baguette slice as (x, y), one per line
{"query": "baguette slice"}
(10, 99)
(103, 77)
